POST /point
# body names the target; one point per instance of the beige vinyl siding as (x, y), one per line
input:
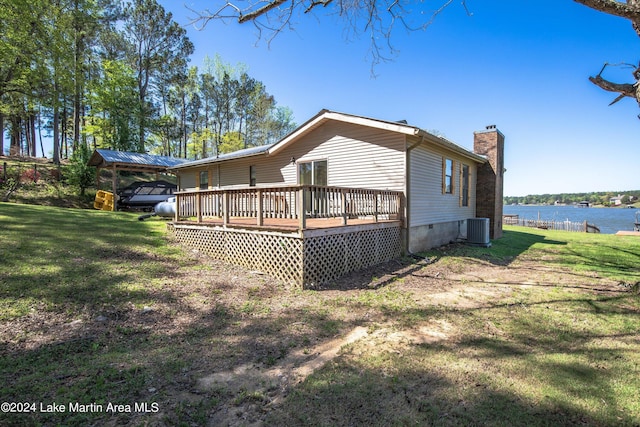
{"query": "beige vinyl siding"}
(187, 179)
(357, 156)
(427, 203)
(235, 173)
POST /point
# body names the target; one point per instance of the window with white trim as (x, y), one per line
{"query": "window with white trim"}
(312, 173)
(447, 176)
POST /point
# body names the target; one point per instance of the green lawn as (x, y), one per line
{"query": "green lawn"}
(608, 255)
(74, 260)
(543, 328)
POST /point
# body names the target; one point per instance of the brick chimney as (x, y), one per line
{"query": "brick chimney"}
(489, 186)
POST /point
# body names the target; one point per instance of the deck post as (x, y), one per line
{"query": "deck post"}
(225, 208)
(177, 214)
(343, 202)
(402, 214)
(375, 214)
(302, 217)
(260, 219)
(198, 206)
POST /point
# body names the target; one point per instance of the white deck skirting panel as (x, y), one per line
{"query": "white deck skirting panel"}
(306, 259)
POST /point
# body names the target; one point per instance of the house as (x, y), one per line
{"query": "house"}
(616, 201)
(399, 188)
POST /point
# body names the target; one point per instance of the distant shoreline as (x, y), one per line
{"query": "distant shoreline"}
(632, 206)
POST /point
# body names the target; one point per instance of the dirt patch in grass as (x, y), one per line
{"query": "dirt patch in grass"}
(220, 345)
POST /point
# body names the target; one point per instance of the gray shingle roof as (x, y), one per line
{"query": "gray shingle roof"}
(251, 151)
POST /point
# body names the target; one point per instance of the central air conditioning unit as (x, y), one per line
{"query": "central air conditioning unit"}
(478, 232)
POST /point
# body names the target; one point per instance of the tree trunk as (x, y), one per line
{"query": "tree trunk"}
(1, 134)
(56, 134)
(77, 98)
(63, 135)
(16, 125)
(40, 137)
(32, 132)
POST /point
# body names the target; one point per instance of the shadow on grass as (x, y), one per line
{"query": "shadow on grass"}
(579, 259)
(502, 252)
(538, 371)
(607, 259)
(412, 397)
(139, 356)
(529, 283)
(76, 261)
(134, 359)
(447, 383)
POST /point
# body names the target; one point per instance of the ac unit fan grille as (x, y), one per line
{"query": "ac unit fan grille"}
(478, 232)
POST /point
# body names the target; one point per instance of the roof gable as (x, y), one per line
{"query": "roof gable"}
(325, 116)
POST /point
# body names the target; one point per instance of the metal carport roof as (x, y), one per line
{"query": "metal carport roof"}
(129, 161)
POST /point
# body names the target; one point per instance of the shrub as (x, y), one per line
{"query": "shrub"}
(30, 175)
(9, 182)
(8, 187)
(78, 173)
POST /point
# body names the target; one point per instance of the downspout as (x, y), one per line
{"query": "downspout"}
(407, 191)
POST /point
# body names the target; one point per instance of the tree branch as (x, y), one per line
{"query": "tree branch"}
(625, 89)
(242, 18)
(631, 90)
(629, 10)
(323, 3)
(379, 17)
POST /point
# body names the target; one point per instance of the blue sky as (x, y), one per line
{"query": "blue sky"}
(522, 65)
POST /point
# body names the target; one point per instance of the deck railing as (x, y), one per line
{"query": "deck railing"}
(298, 202)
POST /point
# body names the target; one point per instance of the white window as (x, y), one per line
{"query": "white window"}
(447, 176)
(312, 173)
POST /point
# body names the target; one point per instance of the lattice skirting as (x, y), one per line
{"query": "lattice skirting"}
(305, 260)
(328, 257)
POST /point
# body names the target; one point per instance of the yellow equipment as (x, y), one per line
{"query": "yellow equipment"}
(104, 201)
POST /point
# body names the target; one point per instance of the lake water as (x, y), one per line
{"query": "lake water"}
(609, 220)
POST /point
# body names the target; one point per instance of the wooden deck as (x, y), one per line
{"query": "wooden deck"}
(288, 208)
(304, 234)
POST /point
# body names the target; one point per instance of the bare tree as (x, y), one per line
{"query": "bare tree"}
(378, 19)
